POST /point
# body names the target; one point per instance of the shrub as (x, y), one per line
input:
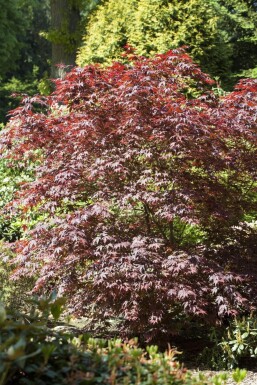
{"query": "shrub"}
(12, 175)
(33, 354)
(240, 341)
(8, 287)
(148, 190)
(155, 26)
(215, 32)
(232, 346)
(11, 92)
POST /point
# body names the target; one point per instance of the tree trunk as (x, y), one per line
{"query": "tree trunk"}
(65, 19)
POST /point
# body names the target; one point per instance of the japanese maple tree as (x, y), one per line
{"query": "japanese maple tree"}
(147, 183)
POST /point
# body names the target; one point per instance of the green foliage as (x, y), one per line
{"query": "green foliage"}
(220, 34)
(240, 22)
(12, 89)
(32, 353)
(11, 227)
(239, 375)
(35, 51)
(235, 345)
(155, 27)
(162, 25)
(107, 32)
(9, 287)
(26, 60)
(240, 341)
(21, 47)
(11, 26)
(250, 73)
(45, 86)
(64, 34)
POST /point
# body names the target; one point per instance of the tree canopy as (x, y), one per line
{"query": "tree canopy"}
(218, 33)
(146, 182)
(11, 28)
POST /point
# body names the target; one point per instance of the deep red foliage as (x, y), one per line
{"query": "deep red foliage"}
(149, 180)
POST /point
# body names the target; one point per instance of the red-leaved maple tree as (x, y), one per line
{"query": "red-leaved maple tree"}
(147, 182)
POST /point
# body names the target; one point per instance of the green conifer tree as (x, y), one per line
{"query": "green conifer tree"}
(11, 27)
(107, 32)
(155, 26)
(240, 23)
(161, 25)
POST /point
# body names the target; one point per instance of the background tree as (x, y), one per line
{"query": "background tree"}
(11, 27)
(28, 60)
(240, 23)
(160, 26)
(66, 31)
(112, 17)
(64, 34)
(35, 50)
(219, 34)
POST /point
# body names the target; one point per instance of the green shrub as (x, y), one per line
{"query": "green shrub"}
(11, 92)
(233, 346)
(10, 287)
(13, 176)
(240, 341)
(220, 34)
(156, 26)
(32, 353)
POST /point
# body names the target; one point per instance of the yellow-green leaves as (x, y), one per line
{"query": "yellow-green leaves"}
(2, 314)
(155, 26)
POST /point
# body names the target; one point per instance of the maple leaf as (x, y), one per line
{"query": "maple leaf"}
(144, 192)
